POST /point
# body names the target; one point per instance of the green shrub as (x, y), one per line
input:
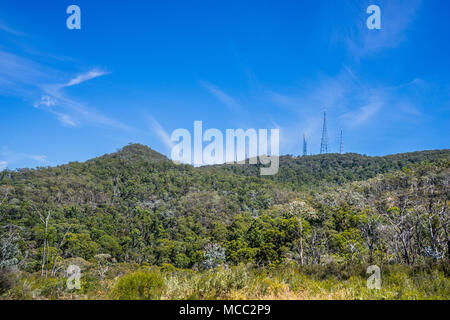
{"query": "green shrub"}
(141, 285)
(216, 284)
(168, 268)
(50, 287)
(6, 281)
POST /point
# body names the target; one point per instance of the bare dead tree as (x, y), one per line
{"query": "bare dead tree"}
(301, 241)
(11, 256)
(103, 263)
(54, 265)
(4, 193)
(45, 254)
(400, 222)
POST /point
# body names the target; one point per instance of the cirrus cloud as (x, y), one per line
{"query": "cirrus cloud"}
(92, 74)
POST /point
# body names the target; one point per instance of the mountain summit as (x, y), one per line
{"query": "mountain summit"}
(136, 152)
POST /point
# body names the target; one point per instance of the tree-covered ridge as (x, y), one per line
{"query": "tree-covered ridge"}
(135, 152)
(130, 207)
(135, 206)
(324, 169)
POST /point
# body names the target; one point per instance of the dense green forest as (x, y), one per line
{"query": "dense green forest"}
(311, 171)
(136, 208)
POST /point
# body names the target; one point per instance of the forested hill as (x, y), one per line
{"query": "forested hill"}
(135, 205)
(137, 170)
(316, 170)
(134, 175)
(134, 163)
(135, 152)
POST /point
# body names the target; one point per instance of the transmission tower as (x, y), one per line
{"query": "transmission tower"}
(324, 142)
(341, 146)
(305, 146)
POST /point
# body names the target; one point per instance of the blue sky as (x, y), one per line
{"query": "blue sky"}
(137, 70)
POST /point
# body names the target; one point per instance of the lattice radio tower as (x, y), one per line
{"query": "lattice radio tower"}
(324, 142)
(305, 146)
(341, 145)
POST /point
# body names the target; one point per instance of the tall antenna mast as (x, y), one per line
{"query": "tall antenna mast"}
(324, 142)
(341, 146)
(305, 146)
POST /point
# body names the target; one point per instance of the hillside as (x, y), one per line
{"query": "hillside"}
(135, 152)
(137, 207)
(133, 205)
(312, 171)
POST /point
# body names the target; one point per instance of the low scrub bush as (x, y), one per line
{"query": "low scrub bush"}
(140, 285)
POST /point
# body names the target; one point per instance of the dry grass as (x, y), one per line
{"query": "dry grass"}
(243, 283)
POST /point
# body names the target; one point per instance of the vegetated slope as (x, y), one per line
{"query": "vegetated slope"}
(134, 205)
(135, 175)
(400, 217)
(135, 152)
(137, 206)
(313, 171)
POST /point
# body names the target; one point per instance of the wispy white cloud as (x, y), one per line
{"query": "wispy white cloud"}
(23, 77)
(224, 98)
(5, 28)
(46, 101)
(410, 109)
(306, 103)
(281, 99)
(363, 114)
(72, 113)
(39, 158)
(85, 77)
(67, 120)
(396, 17)
(31, 80)
(352, 103)
(161, 133)
(11, 157)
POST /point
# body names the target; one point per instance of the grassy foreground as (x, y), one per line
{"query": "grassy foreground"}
(289, 282)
